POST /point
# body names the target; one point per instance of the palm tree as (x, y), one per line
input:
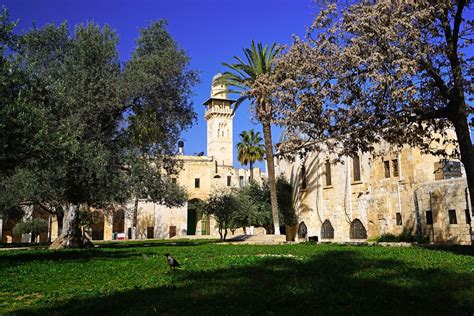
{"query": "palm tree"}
(245, 78)
(250, 149)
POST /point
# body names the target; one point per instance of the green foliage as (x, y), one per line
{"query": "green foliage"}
(145, 182)
(6, 31)
(33, 226)
(285, 201)
(244, 75)
(242, 278)
(158, 89)
(250, 149)
(224, 206)
(257, 207)
(247, 78)
(405, 236)
(255, 201)
(77, 128)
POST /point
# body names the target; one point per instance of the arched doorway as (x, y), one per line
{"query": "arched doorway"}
(97, 228)
(118, 222)
(192, 216)
(327, 231)
(302, 230)
(358, 230)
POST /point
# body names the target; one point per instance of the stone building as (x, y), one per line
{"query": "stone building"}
(200, 175)
(365, 196)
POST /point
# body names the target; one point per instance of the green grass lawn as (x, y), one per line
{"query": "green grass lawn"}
(133, 279)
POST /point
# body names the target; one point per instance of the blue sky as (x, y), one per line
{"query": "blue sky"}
(211, 31)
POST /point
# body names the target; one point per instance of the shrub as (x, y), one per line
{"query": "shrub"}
(387, 238)
(33, 226)
(285, 202)
(405, 236)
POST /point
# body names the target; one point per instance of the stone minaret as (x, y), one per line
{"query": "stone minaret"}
(219, 119)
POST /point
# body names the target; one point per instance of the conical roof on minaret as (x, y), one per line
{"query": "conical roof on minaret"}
(215, 90)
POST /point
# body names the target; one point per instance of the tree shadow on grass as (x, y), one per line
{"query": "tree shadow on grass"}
(333, 282)
(18, 257)
(456, 249)
(138, 244)
(24, 256)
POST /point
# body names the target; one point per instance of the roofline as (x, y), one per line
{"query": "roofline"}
(219, 99)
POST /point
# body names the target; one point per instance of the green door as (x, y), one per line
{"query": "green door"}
(191, 222)
(205, 225)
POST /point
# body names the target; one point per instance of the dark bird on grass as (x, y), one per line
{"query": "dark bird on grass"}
(172, 262)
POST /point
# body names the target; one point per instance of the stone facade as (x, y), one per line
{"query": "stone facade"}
(365, 197)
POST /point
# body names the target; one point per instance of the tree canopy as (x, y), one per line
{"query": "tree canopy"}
(393, 71)
(244, 77)
(77, 128)
(250, 149)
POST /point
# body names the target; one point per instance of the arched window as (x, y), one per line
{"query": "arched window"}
(302, 230)
(327, 231)
(358, 230)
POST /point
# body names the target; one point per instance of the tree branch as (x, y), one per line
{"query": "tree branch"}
(457, 23)
(434, 114)
(443, 89)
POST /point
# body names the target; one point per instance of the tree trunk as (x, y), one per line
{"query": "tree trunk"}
(251, 171)
(71, 236)
(60, 220)
(267, 134)
(466, 150)
(135, 219)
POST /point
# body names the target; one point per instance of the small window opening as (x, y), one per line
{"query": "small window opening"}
(452, 217)
(328, 172)
(468, 216)
(399, 219)
(386, 166)
(303, 178)
(429, 218)
(356, 168)
(396, 172)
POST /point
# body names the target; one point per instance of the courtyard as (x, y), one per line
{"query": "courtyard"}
(124, 278)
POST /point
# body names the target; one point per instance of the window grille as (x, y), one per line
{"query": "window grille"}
(395, 167)
(358, 230)
(327, 231)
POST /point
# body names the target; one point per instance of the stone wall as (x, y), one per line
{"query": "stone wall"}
(387, 186)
